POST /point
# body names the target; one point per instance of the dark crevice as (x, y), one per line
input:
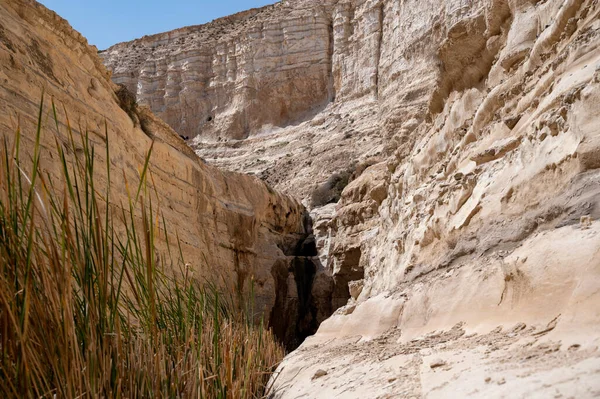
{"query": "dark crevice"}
(350, 270)
(294, 316)
(330, 52)
(306, 293)
(379, 45)
(303, 293)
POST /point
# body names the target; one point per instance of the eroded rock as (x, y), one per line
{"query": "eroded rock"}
(234, 229)
(479, 124)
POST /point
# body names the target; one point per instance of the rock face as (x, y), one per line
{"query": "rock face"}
(466, 248)
(233, 228)
(236, 76)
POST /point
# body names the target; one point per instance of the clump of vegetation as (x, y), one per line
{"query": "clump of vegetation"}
(87, 308)
(127, 101)
(330, 191)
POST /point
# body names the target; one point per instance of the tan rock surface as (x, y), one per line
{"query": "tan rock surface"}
(230, 78)
(480, 206)
(245, 90)
(233, 227)
(481, 228)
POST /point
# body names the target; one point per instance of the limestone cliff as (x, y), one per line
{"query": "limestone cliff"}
(235, 76)
(233, 228)
(466, 248)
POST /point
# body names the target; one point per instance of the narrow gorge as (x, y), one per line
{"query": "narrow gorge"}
(410, 188)
(464, 251)
(233, 229)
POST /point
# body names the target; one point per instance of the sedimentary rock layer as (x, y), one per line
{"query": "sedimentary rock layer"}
(235, 76)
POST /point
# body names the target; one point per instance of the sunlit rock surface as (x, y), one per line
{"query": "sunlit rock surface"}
(466, 248)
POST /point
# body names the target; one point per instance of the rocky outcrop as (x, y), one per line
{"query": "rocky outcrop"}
(481, 260)
(244, 90)
(465, 250)
(233, 77)
(233, 228)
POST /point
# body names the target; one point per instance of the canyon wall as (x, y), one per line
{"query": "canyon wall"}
(234, 77)
(478, 237)
(233, 228)
(465, 251)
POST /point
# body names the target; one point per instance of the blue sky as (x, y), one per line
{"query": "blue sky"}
(106, 22)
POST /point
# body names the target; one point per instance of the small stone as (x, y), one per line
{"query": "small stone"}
(356, 288)
(512, 122)
(488, 380)
(518, 327)
(501, 381)
(320, 373)
(437, 363)
(585, 222)
(348, 310)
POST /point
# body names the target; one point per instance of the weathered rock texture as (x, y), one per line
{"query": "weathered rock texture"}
(467, 247)
(233, 228)
(233, 77)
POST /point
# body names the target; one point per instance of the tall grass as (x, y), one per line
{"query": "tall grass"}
(87, 307)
